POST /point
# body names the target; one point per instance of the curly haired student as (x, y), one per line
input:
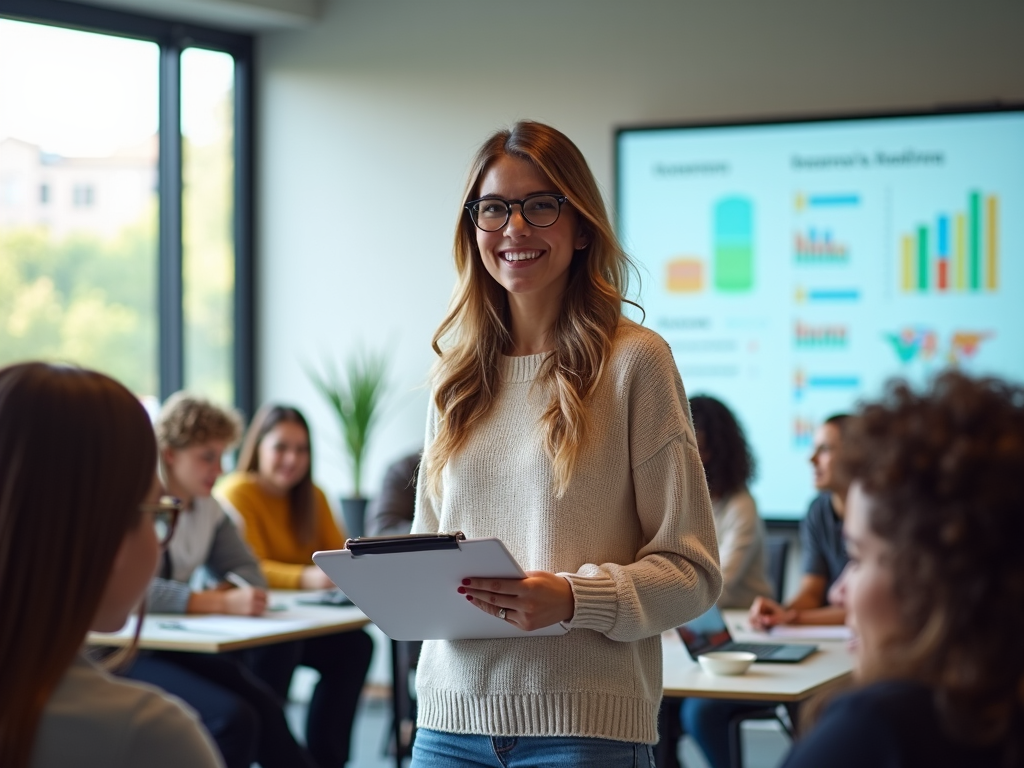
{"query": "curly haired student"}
(935, 586)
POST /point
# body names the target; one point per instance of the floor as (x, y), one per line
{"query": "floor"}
(764, 744)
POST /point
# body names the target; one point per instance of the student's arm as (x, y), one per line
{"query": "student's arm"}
(168, 596)
(328, 536)
(230, 554)
(807, 607)
(739, 542)
(675, 575)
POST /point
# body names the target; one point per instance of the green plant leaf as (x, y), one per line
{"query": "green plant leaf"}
(355, 398)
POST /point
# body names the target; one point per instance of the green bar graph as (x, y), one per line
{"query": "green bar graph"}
(734, 244)
(922, 258)
(974, 239)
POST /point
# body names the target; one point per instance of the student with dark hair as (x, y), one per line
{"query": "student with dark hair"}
(729, 466)
(285, 519)
(821, 540)
(935, 585)
(243, 714)
(82, 523)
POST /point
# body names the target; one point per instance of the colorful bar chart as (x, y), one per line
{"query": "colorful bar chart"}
(733, 228)
(958, 252)
(819, 247)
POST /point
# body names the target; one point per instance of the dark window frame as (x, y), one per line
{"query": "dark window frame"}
(173, 37)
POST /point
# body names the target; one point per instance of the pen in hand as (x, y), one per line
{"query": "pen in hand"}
(233, 578)
(249, 600)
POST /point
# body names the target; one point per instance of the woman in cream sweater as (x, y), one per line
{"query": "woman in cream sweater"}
(562, 428)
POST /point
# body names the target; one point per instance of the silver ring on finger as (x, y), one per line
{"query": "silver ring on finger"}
(501, 614)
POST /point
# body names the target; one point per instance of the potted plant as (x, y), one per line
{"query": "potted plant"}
(355, 398)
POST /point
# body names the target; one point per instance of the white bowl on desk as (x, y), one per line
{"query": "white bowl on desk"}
(726, 662)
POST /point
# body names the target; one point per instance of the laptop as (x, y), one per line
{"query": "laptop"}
(708, 632)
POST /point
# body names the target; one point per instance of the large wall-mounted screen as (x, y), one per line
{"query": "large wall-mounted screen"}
(794, 267)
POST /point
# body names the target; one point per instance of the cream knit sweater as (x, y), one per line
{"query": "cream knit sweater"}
(633, 534)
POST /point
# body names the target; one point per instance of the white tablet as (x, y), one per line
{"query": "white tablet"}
(408, 585)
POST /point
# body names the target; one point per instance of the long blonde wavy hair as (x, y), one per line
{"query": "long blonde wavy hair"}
(477, 329)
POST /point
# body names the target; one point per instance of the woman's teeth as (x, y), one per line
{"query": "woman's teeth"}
(520, 255)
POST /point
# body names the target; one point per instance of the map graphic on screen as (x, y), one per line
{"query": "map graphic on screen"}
(795, 267)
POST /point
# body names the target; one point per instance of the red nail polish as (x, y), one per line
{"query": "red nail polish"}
(462, 590)
(466, 582)
(469, 597)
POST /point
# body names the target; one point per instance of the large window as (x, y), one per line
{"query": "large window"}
(125, 202)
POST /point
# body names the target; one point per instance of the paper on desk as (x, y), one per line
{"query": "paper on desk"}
(808, 632)
(235, 625)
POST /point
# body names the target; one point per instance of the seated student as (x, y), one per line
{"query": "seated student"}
(935, 585)
(286, 519)
(81, 525)
(821, 538)
(390, 514)
(245, 717)
(729, 466)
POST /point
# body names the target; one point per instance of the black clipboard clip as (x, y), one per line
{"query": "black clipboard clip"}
(410, 542)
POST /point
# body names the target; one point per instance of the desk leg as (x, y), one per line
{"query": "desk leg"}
(397, 690)
(669, 733)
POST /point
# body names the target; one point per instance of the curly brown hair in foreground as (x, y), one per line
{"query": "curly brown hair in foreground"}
(944, 471)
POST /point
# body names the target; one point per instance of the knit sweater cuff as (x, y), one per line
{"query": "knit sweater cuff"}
(596, 602)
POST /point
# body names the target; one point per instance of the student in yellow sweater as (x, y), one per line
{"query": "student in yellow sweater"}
(285, 518)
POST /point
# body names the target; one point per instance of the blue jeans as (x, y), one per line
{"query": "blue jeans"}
(434, 749)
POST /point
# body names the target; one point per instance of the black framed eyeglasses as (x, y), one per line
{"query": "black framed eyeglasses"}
(165, 517)
(492, 213)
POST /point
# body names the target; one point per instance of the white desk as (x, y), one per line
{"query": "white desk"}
(215, 634)
(830, 666)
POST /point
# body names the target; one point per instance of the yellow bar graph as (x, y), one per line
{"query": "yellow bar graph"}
(992, 243)
(908, 263)
(960, 245)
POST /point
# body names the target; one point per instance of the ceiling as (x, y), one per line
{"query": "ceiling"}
(235, 15)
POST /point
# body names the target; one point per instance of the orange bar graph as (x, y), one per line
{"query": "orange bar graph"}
(992, 243)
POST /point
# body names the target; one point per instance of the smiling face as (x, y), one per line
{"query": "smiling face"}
(192, 471)
(283, 456)
(868, 587)
(527, 261)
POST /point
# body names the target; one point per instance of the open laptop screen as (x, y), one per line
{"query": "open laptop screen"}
(705, 632)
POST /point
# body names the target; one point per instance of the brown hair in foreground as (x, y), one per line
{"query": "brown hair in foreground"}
(77, 457)
(300, 497)
(477, 330)
(944, 471)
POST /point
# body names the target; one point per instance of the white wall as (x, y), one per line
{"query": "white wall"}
(385, 100)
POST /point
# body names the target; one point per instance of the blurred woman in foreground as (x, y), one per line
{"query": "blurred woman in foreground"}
(81, 529)
(935, 585)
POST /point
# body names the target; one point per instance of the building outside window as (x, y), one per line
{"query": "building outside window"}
(126, 257)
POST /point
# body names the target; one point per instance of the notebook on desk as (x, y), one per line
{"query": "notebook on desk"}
(708, 632)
